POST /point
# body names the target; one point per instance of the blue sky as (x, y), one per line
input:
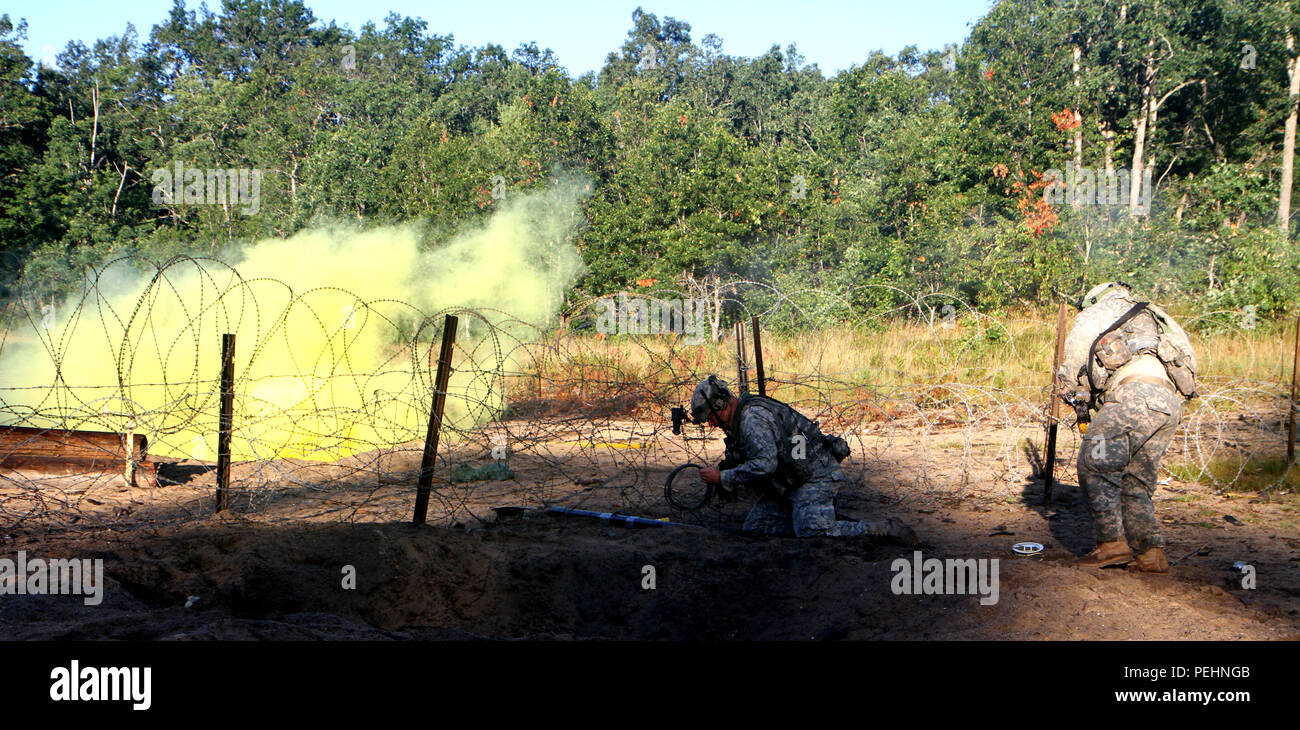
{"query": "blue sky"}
(834, 34)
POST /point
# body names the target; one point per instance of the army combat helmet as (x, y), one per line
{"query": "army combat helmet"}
(710, 395)
(1104, 291)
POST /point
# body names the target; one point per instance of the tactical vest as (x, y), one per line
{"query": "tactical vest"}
(1132, 335)
(820, 453)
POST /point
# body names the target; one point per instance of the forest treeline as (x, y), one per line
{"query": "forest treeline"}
(924, 171)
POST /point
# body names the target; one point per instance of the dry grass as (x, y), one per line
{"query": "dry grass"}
(1006, 353)
(1243, 474)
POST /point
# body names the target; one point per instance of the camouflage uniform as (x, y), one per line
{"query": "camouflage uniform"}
(1121, 452)
(1119, 459)
(796, 477)
(775, 450)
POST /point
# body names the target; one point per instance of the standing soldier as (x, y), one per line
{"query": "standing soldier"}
(1133, 364)
(779, 453)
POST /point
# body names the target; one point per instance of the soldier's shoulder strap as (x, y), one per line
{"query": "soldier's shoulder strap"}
(778, 409)
(764, 401)
(746, 398)
(771, 404)
(1133, 311)
(743, 400)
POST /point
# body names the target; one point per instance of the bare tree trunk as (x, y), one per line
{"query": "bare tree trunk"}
(1108, 129)
(1288, 141)
(118, 194)
(1123, 17)
(1205, 125)
(1140, 134)
(704, 290)
(1078, 128)
(94, 128)
(716, 323)
(1108, 160)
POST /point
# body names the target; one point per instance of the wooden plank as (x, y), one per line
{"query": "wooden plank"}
(44, 466)
(60, 443)
(62, 452)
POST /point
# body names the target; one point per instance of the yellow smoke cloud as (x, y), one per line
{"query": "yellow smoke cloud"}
(333, 328)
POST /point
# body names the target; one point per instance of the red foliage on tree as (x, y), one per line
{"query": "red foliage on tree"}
(1038, 213)
(1066, 119)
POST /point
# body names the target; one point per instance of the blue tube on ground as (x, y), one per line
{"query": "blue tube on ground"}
(629, 520)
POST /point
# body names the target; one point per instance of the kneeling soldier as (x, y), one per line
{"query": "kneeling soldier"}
(776, 451)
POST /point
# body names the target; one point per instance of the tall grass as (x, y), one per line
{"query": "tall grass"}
(1012, 352)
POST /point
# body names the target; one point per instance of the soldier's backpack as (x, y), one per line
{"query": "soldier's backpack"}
(1113, 348)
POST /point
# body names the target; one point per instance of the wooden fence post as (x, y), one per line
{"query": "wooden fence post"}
(435, 421)
(1295, 397)
(227, 422)
(1049, 457)
(742, 367)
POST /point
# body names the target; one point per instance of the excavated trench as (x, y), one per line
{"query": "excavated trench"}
(554, 577)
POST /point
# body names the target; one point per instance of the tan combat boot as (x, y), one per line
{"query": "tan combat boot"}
(1152, 561)
(1107, 553)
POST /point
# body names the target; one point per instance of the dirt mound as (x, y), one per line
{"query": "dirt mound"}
(556, 577)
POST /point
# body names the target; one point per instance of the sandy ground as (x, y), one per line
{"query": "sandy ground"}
(273, 567)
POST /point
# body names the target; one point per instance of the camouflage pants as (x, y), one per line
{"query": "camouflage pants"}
(1119, 459)
(808, 511)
